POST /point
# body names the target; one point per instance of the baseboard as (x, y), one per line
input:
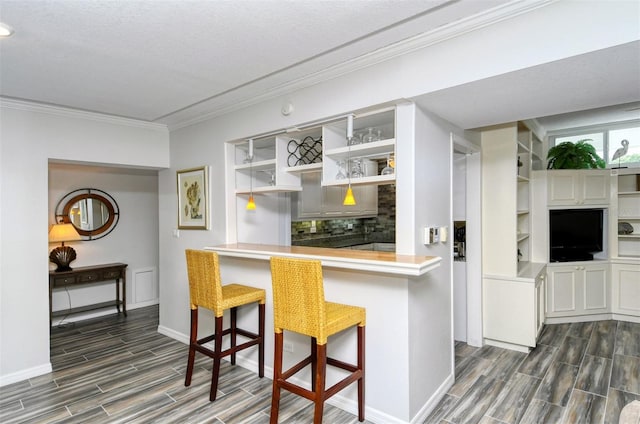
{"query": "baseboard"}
(587, 318)
(16, 377)
(505, 345)
(433, 401)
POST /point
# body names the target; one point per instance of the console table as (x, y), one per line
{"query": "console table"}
(82, 276)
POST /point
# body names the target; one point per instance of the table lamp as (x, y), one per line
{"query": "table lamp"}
(63, 255)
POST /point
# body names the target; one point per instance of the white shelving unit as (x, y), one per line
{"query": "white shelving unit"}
(513, 285)
(336, 149)
(628, 210)
(274, 167)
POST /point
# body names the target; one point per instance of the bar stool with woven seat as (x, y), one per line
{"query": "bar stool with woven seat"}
(299, 306)
(206, 291)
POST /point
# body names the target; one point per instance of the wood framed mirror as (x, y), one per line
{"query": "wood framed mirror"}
(94, 213)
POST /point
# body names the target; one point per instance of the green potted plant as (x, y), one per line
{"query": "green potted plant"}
(578, 155)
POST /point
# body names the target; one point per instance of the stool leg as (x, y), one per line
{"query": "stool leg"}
(277, 375)
(193, 340)
(233, 334)
(320, 371)
(361, 350)
(261, 313)
(216, 360)
(314, 363)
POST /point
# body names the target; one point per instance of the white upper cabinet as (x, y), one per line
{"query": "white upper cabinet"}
(374, 141)
(568, 187)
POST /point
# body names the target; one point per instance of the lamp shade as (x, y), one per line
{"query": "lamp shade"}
(349, 200)
(251, 204)
(63, 232)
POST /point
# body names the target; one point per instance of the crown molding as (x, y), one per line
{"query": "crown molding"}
(412, 44)
(29, 106)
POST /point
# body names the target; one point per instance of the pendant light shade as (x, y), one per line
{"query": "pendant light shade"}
(349, 200)
(251, 205)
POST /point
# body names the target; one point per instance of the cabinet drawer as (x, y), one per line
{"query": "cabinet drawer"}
(64, 281)
(111, 274)
(88, 276)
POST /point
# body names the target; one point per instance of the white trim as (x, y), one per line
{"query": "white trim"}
(78, 114)
(22, 375)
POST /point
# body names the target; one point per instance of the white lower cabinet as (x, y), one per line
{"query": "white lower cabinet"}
(625, 289)
(577, 289)
(514, 310)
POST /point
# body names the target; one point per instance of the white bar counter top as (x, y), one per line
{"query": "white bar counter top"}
(383, 262)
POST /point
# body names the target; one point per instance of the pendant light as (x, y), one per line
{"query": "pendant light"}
(349, 200)
(251, 204)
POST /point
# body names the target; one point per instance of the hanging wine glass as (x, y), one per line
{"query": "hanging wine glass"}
(356, 168)
(341, 175)
(388, 170)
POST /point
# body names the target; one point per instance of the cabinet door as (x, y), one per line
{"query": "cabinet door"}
(579, 289)
(366, 199)
(595, 289)
(309, 203)
(332, 198)
(625, 281)
(595, 189)
(562, 290)
(562, 188)
(509, 311)
(569, 188)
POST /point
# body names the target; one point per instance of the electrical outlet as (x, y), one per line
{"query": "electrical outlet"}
(349, 226)
(287, 347)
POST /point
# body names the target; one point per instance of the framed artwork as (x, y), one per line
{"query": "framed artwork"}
(193, 199)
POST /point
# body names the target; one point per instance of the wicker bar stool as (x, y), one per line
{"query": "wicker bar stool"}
(207, 291)
(299, 306)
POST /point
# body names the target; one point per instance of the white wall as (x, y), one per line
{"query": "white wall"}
(29, 137)
(133, 241)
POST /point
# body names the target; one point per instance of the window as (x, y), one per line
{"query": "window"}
(632, 157)
(607, 141)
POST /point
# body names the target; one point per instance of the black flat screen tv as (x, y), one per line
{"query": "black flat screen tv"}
(575, 234)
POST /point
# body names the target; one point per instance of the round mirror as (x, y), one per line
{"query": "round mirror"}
(92, 212)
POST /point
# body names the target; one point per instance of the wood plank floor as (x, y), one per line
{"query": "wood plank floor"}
(579, 373)
(120, 370)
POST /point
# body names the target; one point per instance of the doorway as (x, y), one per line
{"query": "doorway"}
(466, 211)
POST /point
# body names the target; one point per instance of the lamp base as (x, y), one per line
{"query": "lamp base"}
(62, 256)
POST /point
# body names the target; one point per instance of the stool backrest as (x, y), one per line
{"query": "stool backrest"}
(205, 286)
(298, 296)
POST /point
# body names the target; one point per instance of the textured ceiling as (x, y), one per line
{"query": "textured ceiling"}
(178, 61)
(170, 61)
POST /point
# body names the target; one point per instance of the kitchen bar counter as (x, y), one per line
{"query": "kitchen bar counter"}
(364, 260)
(409, 342)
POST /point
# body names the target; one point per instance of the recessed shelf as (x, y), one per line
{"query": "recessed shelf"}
(268, 189)
(305, 168)
(377, 149)
(374, 179)
(257, 166)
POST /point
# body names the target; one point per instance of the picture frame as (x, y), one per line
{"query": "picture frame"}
(193, 198)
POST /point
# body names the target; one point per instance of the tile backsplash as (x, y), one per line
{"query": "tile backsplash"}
(381, 228)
